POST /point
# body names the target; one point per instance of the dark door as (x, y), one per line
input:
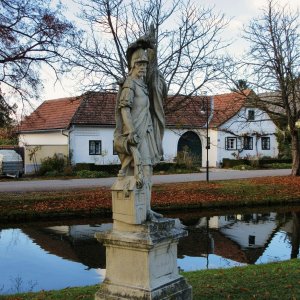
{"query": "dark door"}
(190, 142)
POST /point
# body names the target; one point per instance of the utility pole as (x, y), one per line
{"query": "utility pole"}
(207, 141)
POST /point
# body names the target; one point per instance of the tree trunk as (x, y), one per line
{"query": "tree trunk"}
(295, 153)
(295, 235)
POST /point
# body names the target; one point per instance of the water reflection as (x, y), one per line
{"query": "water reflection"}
(55, 255)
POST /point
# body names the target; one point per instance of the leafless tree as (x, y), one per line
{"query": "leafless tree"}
(272, 68)
(188, 38)
(32, 34)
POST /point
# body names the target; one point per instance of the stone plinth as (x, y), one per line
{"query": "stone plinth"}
(128, 202)
(142, 262)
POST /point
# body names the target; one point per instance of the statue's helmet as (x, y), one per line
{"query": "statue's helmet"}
(139, 55)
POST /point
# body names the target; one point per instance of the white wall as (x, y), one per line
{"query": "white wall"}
(79, 143)
(80, 137)
(43, 138)
(170, 142)
(239, 125)
(172, 136)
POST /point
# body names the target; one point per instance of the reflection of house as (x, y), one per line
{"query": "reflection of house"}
(249, 231)
(241, 238)
(83, 128)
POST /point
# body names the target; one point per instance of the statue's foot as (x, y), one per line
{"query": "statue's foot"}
(121, 173)
(153, 216)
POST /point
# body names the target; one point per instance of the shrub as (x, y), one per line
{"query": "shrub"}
(242, 167)
(112, 169)
(52, 173)
(91, 174)
(52, 164)
(278, 166)
(68, 170)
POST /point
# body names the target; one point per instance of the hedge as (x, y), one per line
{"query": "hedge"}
(114, 169)
(229, 163)
(110, 169)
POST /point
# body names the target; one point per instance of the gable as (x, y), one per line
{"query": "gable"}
(228, 105)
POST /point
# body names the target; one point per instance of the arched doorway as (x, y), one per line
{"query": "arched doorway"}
(190, 143)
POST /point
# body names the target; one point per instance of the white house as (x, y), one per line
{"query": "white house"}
(83, 128)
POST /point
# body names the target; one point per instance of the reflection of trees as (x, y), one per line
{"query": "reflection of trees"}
(87, 251)
(295, 234)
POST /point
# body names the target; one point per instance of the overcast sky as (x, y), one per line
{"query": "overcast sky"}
(240, 11)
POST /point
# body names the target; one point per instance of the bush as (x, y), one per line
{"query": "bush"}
(53, 164)
(230, 163)
(68, 170)
(278, 166)
(110, 169)
(242, 167)
(91, 174)
(52, 173)
(261, 163)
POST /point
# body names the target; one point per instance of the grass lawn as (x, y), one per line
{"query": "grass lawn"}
(165, 197)
(271, 281)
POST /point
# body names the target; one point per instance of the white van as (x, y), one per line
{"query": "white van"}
(11, 163)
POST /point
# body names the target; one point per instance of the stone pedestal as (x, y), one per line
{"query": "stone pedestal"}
(141, 255)
(128, 202)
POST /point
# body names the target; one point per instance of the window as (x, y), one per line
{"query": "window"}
(265, 143)
(230, 143)
(95, 147)
(251, 240)
(251, 115)
(248, 143)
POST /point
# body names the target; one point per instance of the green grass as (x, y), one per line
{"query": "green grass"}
(270, 281)
(82, 293)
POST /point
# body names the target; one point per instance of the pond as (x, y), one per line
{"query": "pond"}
(55, 255)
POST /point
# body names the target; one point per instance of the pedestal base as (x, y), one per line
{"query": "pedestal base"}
(176, 290)
(142, 262)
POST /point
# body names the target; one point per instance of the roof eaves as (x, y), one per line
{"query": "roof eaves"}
(42, 130)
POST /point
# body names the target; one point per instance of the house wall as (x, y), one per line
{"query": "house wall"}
(79, 145)
(172, 136)
(238, 126)
(80, 137)
(43, 145)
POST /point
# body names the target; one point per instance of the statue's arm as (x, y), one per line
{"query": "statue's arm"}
(129, 129)
(126, 102)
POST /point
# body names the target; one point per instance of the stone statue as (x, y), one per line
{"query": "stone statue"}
(141, 247)
(140, 117)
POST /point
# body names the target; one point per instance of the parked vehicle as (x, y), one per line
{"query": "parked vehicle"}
(11, 164)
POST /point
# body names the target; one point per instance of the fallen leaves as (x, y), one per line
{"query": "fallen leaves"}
(165, 196)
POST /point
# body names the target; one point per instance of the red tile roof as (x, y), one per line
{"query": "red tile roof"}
(99, 109)
(96, 109)
(227, 105)
(183, 111)
(51, 114)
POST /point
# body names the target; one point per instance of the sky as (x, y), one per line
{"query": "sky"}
(239, 11)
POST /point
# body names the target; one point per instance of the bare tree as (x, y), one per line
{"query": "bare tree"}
(31, 35)
(274, 65)
(187, 37)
